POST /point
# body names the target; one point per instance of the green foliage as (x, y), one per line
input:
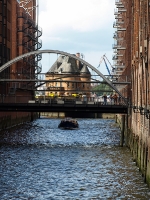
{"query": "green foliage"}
(101, 89)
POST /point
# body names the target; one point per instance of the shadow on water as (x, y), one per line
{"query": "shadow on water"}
(40, 161)
(46, 132)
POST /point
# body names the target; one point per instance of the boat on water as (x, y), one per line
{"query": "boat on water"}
(68, 123)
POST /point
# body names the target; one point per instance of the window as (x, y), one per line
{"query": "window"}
(8, 34)
(8, 16)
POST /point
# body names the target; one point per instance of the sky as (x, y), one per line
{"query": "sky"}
(84, 26)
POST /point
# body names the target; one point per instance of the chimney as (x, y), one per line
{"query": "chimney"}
(78, 62)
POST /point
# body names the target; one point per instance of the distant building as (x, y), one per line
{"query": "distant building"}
(72, 77)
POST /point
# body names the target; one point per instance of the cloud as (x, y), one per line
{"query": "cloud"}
(84, 26)
(79, 15)
(77, 40)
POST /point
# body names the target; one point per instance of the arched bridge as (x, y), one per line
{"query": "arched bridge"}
(3, 67)
(62, 107)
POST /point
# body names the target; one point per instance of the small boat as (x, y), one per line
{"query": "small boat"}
(68, 123)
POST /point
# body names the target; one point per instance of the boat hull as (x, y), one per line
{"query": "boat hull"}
(68, 124)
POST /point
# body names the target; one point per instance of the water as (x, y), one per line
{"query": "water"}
(41, 162)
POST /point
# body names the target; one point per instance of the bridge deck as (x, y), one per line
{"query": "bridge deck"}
(63, 107)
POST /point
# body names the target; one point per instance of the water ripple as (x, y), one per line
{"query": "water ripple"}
(41, 162)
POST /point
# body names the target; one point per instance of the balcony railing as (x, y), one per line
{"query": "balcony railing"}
(118, 2)
(118, 17)
(118, 47)
(121, 29)
(119, 11)
(118, 22)
(119, 54)
(119, 66)
(120, 6)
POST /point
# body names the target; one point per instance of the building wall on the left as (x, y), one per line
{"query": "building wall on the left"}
(9, 50)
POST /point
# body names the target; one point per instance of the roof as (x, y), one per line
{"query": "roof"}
(66, 64)
(85, 70)
(56, 64)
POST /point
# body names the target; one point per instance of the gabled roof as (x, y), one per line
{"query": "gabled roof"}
(85, 70)
(66, 64)
(56, 64)
(67, 68)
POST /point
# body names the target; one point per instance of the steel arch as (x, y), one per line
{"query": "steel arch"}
(6, 65)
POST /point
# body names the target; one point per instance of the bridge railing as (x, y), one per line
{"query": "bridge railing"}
(60, 100)
(93, 101)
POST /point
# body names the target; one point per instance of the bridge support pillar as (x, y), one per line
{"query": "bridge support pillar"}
(122, 130)
(116, 118)
(32, 117)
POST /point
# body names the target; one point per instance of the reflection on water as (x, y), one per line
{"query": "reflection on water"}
(40, 161)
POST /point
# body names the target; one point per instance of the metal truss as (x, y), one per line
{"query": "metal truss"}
(112, 85)
(31, 34)
(24, 4)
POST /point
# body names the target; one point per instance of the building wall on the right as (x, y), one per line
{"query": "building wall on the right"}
(134, 17)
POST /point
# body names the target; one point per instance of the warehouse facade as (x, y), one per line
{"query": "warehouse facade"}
(19, 34)
(132, 59)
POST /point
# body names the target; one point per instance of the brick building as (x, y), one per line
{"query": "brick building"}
(131, 52)
(19, 34)
(72, 77)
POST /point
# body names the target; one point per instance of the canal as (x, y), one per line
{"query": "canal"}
(41, 162)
